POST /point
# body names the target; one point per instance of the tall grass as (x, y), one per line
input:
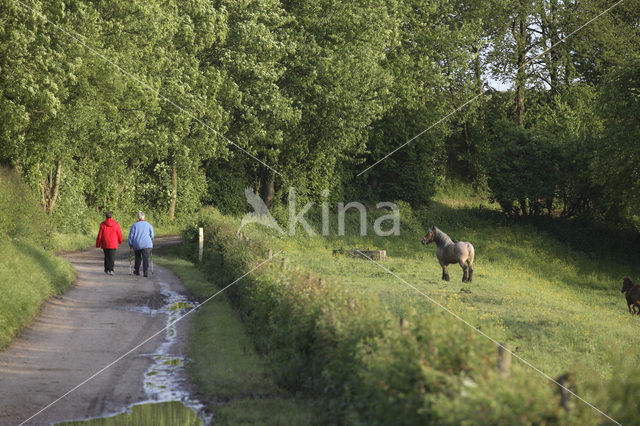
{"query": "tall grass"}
(557, 301)
(158, 414)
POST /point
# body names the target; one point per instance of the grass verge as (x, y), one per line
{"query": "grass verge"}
(28, 276)
(225, 365)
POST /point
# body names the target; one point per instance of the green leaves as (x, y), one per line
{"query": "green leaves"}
(317, 90)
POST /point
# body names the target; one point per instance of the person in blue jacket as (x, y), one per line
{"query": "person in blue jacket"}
(141, 241)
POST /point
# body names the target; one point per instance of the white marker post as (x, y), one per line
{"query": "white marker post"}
(200, 244)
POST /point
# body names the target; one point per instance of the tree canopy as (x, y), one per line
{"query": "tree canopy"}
(167, 106)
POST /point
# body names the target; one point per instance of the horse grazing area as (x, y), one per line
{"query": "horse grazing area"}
(548, 288)
(559, 307)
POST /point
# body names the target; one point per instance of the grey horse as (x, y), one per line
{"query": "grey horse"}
(449, 252)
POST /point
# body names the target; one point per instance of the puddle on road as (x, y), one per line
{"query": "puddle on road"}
(158, 414)
(164, 383)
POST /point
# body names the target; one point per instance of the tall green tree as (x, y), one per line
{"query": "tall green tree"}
(34, 70)
(428, 67)
(253, 55)
(338, 79)
(616, 163)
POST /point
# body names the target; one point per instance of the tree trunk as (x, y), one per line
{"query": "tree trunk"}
(174, 192)
(521, 77)
(550, 33)
(44, 190)
(51, 188)
(267, 187)
(477, 69)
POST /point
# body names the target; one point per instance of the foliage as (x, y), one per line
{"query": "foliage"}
(317, 90)
(420, 61)
(617, 153)
(523, 169)
(21, 218)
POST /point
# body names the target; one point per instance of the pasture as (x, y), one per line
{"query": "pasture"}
(550, 289)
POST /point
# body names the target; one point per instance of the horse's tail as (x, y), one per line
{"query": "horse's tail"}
(471, 254)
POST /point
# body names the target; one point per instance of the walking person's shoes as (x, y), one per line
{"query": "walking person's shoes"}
(136, 272)
(145, 274)
(110, 272)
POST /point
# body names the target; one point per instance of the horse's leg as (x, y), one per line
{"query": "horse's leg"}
(463, 265)
(445, 273)
(472, 254)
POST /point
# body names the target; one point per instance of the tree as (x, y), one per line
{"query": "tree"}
(338, 80)
(33, 72)
(428, 68)
(253, 55)
(616, 163)
(523, 170)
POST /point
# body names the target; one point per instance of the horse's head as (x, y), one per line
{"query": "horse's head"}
(627, 284)
(429, 237)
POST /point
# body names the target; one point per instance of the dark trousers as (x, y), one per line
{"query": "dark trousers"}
(142, 255)
(109, 259)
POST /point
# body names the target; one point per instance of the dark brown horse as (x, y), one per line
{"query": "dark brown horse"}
(449, 252)
(632, 293)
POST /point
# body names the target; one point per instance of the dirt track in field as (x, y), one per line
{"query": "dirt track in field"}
(100, 318)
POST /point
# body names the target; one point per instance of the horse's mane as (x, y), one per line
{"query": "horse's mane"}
(441, 238)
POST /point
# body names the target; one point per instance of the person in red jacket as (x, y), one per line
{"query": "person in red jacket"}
(109, 238)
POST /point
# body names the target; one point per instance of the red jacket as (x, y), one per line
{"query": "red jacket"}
(110, 235)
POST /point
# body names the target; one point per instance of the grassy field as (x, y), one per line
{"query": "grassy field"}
(225, 366)
(550, 289)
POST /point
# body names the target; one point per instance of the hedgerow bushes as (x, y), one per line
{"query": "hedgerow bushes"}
(352, 354)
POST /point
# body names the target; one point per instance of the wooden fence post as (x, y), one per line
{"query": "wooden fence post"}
(404, 325)
(504, 359)
(270, 254)
(200, 244)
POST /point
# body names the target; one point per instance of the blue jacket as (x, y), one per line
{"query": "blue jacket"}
(141, 235)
